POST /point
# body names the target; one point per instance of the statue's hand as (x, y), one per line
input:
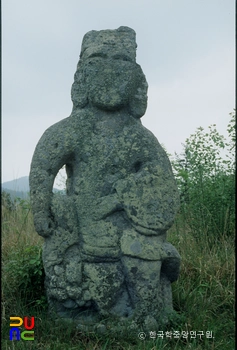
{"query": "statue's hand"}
(106, 206)
(43, 224)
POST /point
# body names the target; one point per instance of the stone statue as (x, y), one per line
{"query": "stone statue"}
(105, 253)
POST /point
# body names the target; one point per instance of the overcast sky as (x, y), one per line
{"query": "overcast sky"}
(186, 49)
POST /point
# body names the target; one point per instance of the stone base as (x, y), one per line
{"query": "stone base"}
(89, 321)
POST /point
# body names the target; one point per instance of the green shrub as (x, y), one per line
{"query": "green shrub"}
(7, 203)
(206, 180)
(26, 275)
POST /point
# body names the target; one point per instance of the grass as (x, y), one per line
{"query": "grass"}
(203, 296)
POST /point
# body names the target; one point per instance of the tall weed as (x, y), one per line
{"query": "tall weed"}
(206, 181)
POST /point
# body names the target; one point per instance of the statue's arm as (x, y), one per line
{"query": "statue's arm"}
(51, 153)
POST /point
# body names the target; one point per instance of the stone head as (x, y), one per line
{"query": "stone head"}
(107, 75)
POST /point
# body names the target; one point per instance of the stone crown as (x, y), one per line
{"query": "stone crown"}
(122, 40)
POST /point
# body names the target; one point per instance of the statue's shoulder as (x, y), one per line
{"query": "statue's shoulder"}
(145, 134)
(59, 136)
(57, 128)
(66, 127)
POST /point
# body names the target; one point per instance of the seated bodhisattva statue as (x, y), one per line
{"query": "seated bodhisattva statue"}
(105, 253)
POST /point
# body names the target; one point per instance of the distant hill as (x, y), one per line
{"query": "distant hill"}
(20, 188)
(21, 184)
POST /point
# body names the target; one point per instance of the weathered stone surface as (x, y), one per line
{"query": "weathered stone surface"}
(105, 252)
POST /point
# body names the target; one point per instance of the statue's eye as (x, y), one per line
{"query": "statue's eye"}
(98, 54)
(95, 58)
(122, 58)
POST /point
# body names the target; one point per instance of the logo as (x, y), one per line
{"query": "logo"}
(16, 333)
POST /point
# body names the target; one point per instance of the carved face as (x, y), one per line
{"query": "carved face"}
(108, 80)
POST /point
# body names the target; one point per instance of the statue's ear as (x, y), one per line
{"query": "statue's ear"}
(138, 100)
(78, 91)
